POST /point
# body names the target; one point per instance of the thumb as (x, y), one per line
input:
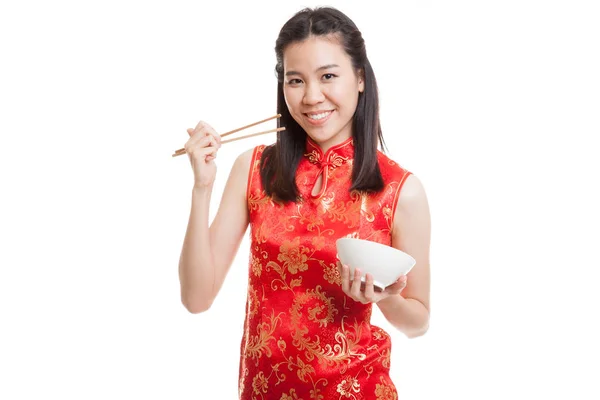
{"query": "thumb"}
(398, 285)
(190, 131)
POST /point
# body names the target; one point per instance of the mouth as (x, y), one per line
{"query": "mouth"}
(318, 118)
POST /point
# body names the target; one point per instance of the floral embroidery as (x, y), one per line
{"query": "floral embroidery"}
(260, 384)
(302, 339)
(303, 369)
(291, 396)
(242, 385)
(383, 391)
(259, 344)
(327, 162)
(293, 255)
(348, 387)
(253, 302)
(332, 273)
(326, 307)
(281, 344)
(256, 265)
(318, 242)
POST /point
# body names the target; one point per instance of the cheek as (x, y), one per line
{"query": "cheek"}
(347, 101)
(291, 104)
(344, 95)
(292, 99)
(287, 103)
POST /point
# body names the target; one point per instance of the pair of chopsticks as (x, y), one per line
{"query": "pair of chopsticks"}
(182, 150)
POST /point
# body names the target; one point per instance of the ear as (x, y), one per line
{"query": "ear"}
(361, 80)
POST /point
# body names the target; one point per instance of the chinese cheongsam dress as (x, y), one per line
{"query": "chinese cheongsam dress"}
(304, 338)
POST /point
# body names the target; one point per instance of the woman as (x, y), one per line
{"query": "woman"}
(307, 332)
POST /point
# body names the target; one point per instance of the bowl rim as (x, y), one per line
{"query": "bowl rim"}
(393, 249)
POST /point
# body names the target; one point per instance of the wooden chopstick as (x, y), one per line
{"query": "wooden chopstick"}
(254, 134)
(182, 150)
(248, 126)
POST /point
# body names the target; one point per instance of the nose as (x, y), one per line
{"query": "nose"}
(313, 94)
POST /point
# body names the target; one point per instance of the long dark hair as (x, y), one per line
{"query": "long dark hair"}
(280, 161)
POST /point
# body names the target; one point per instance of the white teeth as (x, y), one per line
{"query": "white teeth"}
(319, 116)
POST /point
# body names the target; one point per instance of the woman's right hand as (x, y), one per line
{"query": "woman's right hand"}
(201, 148)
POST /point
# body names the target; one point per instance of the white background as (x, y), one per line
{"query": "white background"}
(494, 105)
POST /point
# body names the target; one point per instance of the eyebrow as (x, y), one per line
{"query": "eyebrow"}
(317, 70)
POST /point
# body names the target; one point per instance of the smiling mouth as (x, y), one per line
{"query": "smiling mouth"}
(319, 116)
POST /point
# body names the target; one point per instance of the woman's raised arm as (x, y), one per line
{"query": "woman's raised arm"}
(208, 252)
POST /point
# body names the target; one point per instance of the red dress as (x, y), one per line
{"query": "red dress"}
(304, 338)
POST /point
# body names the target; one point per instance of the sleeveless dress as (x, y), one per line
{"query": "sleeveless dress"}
(304, 338)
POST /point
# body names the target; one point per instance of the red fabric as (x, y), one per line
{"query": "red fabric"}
(303, 337)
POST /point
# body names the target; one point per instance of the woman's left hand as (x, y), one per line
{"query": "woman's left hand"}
(367, 292)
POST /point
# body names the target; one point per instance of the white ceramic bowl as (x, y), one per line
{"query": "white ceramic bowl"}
(385, 263)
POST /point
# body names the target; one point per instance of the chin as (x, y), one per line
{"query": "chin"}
(319, 136)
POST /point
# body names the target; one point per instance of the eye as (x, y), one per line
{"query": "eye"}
(294, 81)
(328, 77)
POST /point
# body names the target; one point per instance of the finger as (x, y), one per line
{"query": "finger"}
(345, 279)
(213, 154)
(355, 289)
(204, 128)
(205, 141)
(190, 131)
(198, 130)
(214, 142)
(201, 152)
(212, 136)
(200, 125)
(369, 289)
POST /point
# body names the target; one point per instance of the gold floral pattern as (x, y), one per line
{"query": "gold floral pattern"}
(313, 156)
(348, 213)
(318, 242)
(348, 387)
(253, 302)
(260, 384)
(384, 391)
(242, 385)
(259, 343)
(256, 265)
(291, 396)
(303, 339)
(325, 309)
(331, 273)
(293, 256)
(303, 369)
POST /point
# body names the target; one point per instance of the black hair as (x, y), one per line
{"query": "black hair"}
(279, 161)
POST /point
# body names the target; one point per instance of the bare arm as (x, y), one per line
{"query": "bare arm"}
(409, 311)
(207, 253)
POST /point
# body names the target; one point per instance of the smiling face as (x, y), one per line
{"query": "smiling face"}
(321, 89)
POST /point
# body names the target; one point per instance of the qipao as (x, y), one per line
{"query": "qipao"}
(303, 337)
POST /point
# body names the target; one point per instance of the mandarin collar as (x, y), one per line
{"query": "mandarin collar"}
(334, 157)
(315, 154)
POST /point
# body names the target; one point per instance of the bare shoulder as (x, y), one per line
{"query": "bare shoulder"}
(241, 169)
(413, 191)
(412, 207)
(243, 159)
(241, 165)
